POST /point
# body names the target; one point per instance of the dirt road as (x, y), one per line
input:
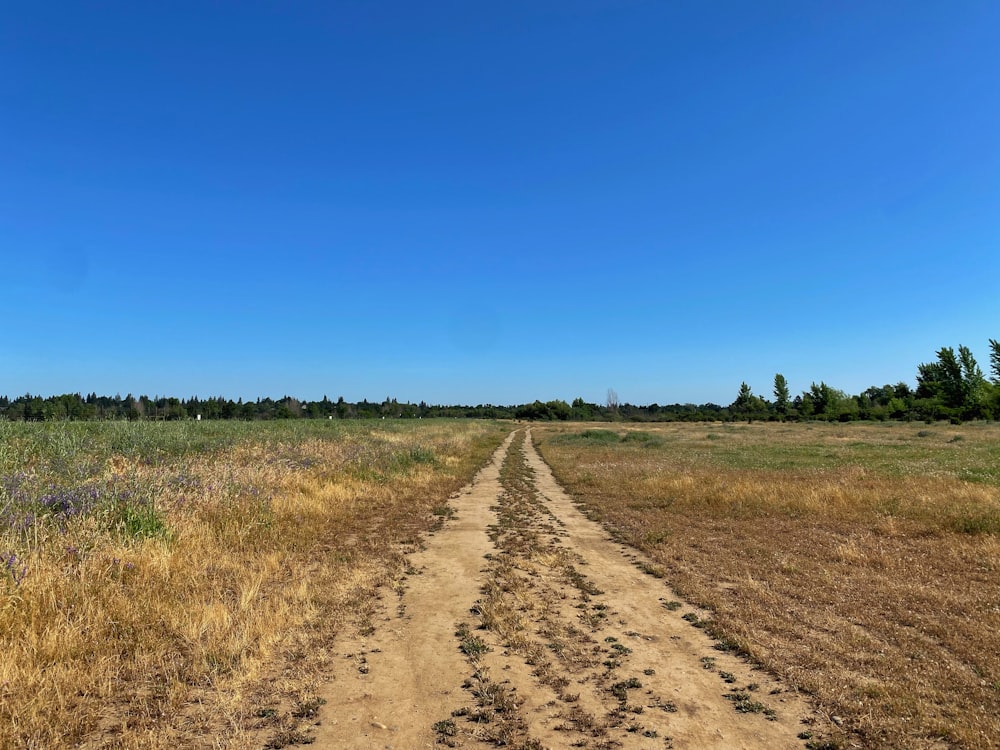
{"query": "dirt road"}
(522, 624)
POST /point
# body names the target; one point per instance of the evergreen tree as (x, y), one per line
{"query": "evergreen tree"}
(995, 361)
(781, 394)
(953, 386)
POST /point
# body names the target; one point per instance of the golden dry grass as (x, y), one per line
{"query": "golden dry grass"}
(860, 562)
(207, 630)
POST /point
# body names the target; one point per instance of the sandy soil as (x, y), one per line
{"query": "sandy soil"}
(522, 623)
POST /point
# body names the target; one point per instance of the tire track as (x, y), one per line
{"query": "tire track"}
(527, 627)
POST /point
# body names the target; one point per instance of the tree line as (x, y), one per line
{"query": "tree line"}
(951, 387)
(74, 406)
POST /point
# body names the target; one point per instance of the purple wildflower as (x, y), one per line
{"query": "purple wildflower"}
(10, 566)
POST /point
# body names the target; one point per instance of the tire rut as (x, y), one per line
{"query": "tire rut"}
(527, 627)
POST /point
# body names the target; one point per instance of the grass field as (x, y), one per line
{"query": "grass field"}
(175, 584)
(861, 562)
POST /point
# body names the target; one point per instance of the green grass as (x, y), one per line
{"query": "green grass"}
(598, 436)
(968, 452)
(610, 437)
(68, 446)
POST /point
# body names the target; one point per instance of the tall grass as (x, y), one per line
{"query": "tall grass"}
(167, 584)
(859, 561)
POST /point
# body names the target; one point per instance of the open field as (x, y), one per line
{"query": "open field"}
(177, 584)
(265, 584)
(859, 562)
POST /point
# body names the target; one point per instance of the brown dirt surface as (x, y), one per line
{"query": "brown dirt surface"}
(522, 624)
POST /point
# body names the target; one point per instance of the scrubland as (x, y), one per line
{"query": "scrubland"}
(859, 562)
(177, 584)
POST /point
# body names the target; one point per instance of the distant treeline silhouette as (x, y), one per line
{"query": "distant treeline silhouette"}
(951, 387)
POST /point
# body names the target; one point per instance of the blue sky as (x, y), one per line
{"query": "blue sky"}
(473, 202)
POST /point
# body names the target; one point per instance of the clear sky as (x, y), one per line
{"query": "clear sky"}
(493, 202)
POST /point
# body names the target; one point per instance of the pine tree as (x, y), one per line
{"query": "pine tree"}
(781, 394)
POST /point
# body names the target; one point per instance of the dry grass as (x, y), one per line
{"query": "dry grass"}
(174, 585)
(860, 562)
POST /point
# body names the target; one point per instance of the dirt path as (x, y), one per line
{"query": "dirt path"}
(523, 625)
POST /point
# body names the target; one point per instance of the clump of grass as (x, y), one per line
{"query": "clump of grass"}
(651, 569)
(977, 522)
(130, 517)
(445, 727)
(469, 644)
(496, 711)
(744, 703)
(598, 436)
(620, 689)
(308, 708)
(645, 439)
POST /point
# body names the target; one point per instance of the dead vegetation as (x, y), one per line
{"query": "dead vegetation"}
(187, 597)
(860, 562)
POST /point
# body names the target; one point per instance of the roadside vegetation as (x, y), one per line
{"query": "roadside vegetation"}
(857, 561)
(174, 584)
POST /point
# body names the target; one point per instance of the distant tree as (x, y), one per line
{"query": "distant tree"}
(953, 386)
(559, 409)
(993, 388)
(877, 402)
(781, 394)
(612, 401)
(973, 384)
(822, 398)
(941, 380)
(995, 361)
(747, 405)
(743, 397)
(548, 411)
(134, 409)
(902, 391)
(535, 410)
(582, 410)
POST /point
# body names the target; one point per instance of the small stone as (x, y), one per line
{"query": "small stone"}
(837, 720)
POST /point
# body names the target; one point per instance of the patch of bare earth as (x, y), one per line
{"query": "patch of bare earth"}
(521, 624)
